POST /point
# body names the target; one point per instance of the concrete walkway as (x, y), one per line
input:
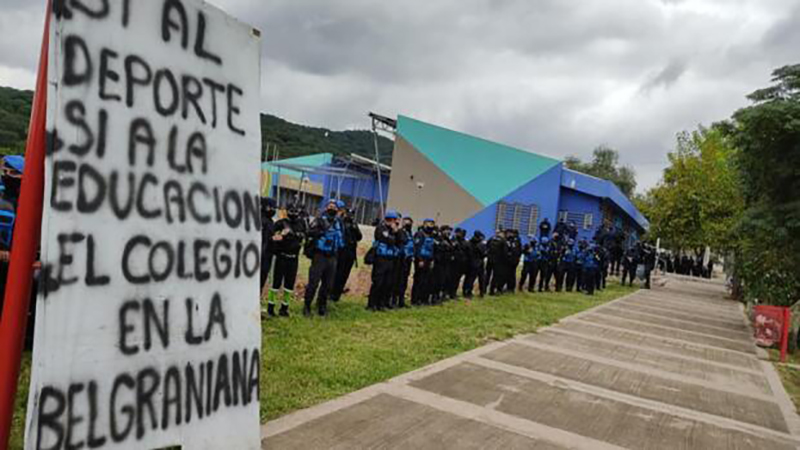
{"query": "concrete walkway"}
(674, 367)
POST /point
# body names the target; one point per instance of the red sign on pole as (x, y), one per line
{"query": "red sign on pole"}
(771, 325)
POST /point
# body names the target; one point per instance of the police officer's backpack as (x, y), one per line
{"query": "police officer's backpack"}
(308, 248)
(369, 258)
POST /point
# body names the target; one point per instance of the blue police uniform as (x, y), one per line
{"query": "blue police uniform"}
(591, 264)
(424, 245)
(328, 239)
(530, 265)
(386, 252)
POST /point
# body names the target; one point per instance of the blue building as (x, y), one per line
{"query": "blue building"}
(314, 179)
(477, 184)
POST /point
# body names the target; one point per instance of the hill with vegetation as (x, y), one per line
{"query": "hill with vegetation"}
(15, 111)
(294, 140)
(290, 139)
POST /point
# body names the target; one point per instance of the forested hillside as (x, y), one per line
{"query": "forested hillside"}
(291, 139)
(15, 110)
(298, 140)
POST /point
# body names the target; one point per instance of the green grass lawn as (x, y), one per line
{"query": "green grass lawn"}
(309, 361)
(791, 358)
(791, 382)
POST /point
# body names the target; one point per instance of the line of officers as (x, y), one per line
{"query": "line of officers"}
(438, 259)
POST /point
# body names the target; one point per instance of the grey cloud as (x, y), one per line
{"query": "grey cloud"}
(553, 76)
(783, 39)
(666, 77)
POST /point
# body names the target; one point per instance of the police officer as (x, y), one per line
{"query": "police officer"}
(268, 206)
(497, 252)
(561, 227)
(617, 251)
(476, 266)
(629, 262)
(490, 260)
(287, 240)
(325, 241)
(514, 255)
(602, 272)
(443, 263)
(562, 264)
(351, 236)
(530, 264)
(460, 260)
(649, 261)
(546, 263)
(570, 262)
(12, 168)
(558, 269)
(386, 251)
(544, 228)
(424, 244)
(572, 230)
(580, 254)
(402, 265)
(591, 263)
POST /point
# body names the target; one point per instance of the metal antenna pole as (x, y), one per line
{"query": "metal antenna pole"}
(378, 167)
(277, 156)
(302, 194)
(339, 183)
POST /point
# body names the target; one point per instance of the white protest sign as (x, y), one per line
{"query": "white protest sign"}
(148, 320)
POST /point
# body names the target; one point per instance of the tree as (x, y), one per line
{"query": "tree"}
(767, 135)
(605, 165)
(699, 200)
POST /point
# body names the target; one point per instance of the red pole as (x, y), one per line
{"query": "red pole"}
(787, 317)
(27, 232)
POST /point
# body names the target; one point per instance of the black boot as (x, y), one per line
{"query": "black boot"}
(271, 310)
(307, 308)
(284, 312)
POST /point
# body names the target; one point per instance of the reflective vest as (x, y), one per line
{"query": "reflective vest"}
(332, 240)
(589, 260)
(408, 248)
(579, 255)
(544, 252)
(385, 250)
(425, 248)
(533, 254)
(569, 256)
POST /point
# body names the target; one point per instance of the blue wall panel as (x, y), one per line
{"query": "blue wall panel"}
(603, 189)
(543, 191)
(576, 202)
(367, 188)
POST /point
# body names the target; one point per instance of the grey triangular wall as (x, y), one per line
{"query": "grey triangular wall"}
(439, 197)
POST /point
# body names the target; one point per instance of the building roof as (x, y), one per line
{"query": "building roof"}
(315, 160)
(597, 187)
(486, 170)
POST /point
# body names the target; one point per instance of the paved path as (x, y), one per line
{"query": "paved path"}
(674, 367)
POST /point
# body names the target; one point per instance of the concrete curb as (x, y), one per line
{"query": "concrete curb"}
(782, 398)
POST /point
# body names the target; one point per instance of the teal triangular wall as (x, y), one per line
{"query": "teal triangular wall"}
(485, 169)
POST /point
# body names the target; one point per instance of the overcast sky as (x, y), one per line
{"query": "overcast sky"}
(556, 77)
